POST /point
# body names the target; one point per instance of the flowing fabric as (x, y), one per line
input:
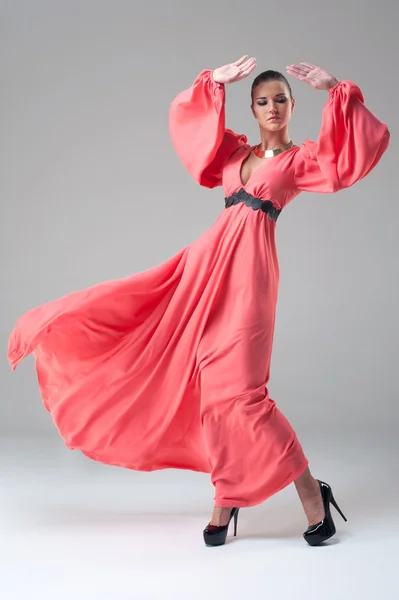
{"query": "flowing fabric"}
(168, 368)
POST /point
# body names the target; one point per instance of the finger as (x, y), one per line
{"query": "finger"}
(298, 72)
(299, 67)
(297, 75)
(295, 70)
(309, 65)
(240, 60)
(243, 75)
(305, 69)
(248, 64)
(249, 68)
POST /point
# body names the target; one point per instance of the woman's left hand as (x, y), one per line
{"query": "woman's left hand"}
(314, 76)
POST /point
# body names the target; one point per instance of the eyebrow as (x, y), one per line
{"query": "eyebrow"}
(265, 97)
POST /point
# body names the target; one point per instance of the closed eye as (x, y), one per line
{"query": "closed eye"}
(279, 100)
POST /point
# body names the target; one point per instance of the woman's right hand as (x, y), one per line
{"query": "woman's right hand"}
(234, 71)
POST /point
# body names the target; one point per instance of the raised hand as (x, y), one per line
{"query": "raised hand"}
(317, 77)
(234, 71)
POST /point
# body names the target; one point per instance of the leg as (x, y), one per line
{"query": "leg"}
(309, 493)
(252, 448)
(220, 515)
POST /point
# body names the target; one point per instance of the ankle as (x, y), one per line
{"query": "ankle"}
(220, 516)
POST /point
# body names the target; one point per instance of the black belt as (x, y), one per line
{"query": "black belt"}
(255, 203)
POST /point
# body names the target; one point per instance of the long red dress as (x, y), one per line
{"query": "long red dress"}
(169, 367)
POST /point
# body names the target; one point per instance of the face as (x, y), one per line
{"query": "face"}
(272, 99)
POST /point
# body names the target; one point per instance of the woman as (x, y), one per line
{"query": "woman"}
(169, 368)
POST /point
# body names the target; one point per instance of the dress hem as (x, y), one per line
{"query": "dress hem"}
(290, 479)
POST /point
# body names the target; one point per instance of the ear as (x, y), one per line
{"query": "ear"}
(252, 110)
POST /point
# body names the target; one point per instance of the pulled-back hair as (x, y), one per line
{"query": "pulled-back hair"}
(269, 76)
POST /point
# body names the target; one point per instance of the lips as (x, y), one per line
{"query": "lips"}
(274, 119)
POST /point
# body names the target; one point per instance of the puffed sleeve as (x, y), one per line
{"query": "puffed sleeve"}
(350, 143)
(197, 130)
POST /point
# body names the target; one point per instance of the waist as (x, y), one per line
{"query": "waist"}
(265, 206)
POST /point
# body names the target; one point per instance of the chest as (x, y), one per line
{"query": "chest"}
(251, 164)
(266, 178)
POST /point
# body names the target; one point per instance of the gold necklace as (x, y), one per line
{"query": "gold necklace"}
(271, 153)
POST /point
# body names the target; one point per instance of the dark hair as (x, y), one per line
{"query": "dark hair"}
(269, 76)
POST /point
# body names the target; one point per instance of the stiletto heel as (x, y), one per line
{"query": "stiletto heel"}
(215, 535)
(316, 534)
(333, 502)
(235, 522)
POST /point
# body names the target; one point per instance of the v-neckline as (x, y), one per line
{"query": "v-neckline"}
(246, 155)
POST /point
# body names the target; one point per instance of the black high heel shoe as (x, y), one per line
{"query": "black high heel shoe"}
(316, 534)
(215, 535)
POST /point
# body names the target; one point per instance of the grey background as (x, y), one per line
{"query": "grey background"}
(91, 188)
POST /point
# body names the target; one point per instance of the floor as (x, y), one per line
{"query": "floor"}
(73, 528)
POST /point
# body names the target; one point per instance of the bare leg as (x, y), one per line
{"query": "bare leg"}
(220, 516)
(309, 493)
